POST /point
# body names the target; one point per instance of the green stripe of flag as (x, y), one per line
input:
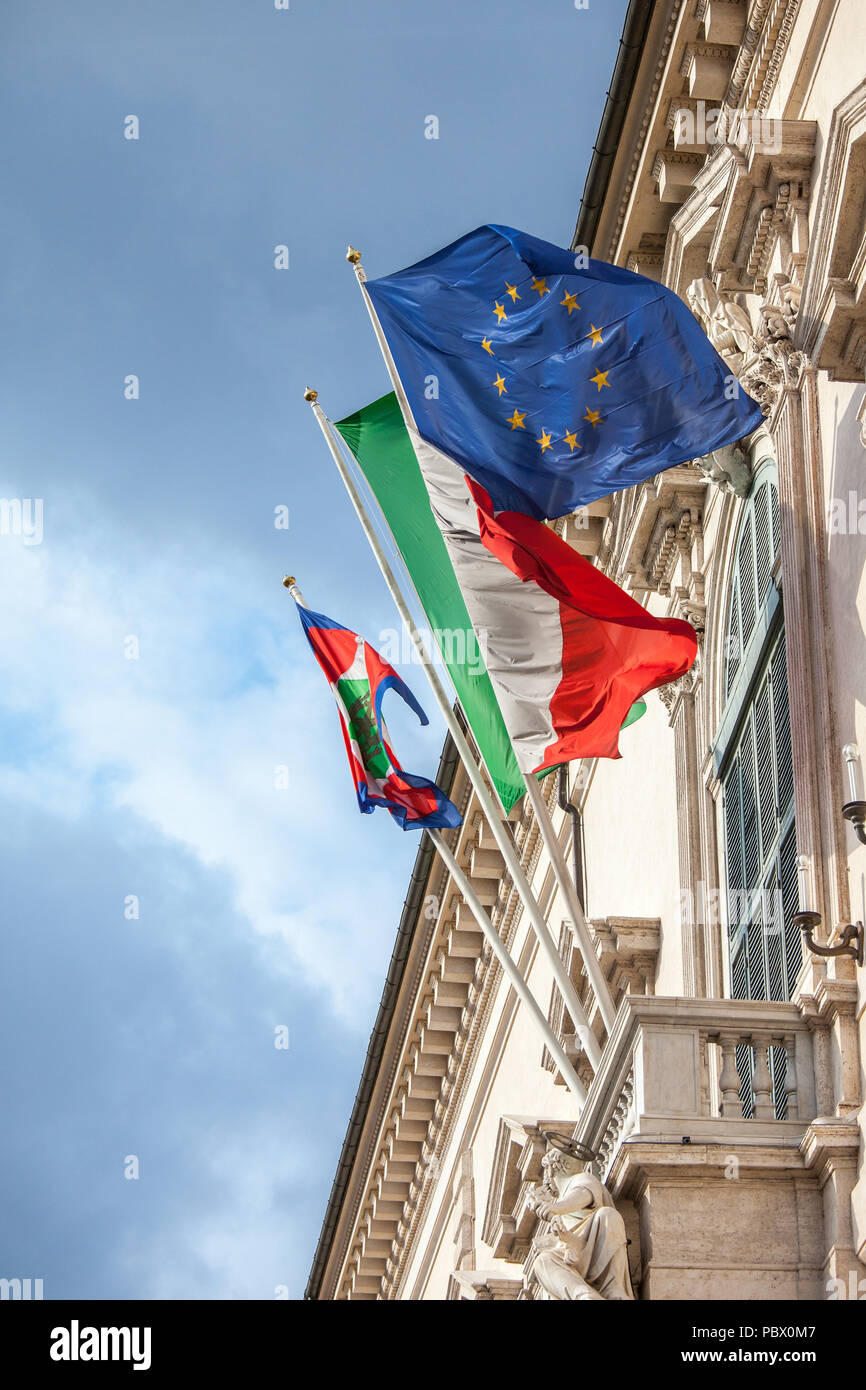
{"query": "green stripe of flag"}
(378, 440)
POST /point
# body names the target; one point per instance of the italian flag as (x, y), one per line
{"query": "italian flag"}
(566, 652)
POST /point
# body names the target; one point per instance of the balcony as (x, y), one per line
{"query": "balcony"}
(690, 1070)
(715, 1130)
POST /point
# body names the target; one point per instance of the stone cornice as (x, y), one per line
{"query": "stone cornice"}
(610, 249)
(828, 1144)
(456, 1070)
(412, 993)
(765, 42)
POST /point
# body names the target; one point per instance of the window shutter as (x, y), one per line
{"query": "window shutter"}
(782, 728)
(764, 764)
(757, 969)
(746, 576)
(734, 643)
(760, 836)
(775, 530)
(790, 895)
(734, 839)
(751, 845)
(739, 974)
(774, 929)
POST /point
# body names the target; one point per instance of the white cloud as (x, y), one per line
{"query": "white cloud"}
(187, 738)
(249, 1252)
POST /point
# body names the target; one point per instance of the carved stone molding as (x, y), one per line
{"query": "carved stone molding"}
(724, 319)
(769, 200)
(722, 21)
(831, 1150)
(629, 948)
(674, 174)
(707, 69)
(509, 1219)
(663, 525)
(729, 468)
(832, 325)
(619, 1126)
(671, 693)
(483, 1286)
(457, 1064)
(764, 358)
(773, 364)
(765, 42)
(610, 249)
(648, 259)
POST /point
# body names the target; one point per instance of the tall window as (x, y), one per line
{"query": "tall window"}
(753, 753)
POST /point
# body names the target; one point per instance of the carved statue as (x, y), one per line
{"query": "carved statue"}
(774, 324)
(791, 300)
(583, 1257)
(726, 323)
(728, 467)
(764, 358)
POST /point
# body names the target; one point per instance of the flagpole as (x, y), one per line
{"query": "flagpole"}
(521, 988)
(560, 868)
(500, 832)
(569, 892)
(509, 966)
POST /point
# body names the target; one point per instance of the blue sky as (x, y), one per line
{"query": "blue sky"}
(154, 777)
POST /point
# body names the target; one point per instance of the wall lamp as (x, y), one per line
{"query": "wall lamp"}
(851, 937)
(855, 809)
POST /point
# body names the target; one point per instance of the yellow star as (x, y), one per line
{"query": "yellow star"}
(544, 441)
(541, 286)
(595, 334)
(512, 290)
(500, 384)
(600, 379)
(516, 420)
(593, 416)
(485, 343)
(571, 441)
(500, 313)
(570, 302)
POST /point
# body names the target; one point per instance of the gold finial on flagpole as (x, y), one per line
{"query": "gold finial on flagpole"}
(353, 256)
(288, 581)
(311, 395)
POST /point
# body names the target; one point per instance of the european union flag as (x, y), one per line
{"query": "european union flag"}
(548, 383)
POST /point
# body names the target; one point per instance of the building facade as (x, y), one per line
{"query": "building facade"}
(725, 1118)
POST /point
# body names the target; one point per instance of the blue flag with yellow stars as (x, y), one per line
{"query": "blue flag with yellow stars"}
(552, 384)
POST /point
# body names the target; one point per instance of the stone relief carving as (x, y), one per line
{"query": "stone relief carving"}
(683, 684)
(772, 362)
(583, 1256)
(764, 358)
(728, 468)
(725, 322)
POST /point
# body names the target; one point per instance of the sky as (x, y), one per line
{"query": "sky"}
(185, 877)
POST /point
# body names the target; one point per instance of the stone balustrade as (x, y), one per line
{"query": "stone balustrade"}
(701, 1071)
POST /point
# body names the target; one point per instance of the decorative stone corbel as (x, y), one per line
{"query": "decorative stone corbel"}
(729, 468)
(483, 1286)
(629, 951)
(671, 694)
(772, 363)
